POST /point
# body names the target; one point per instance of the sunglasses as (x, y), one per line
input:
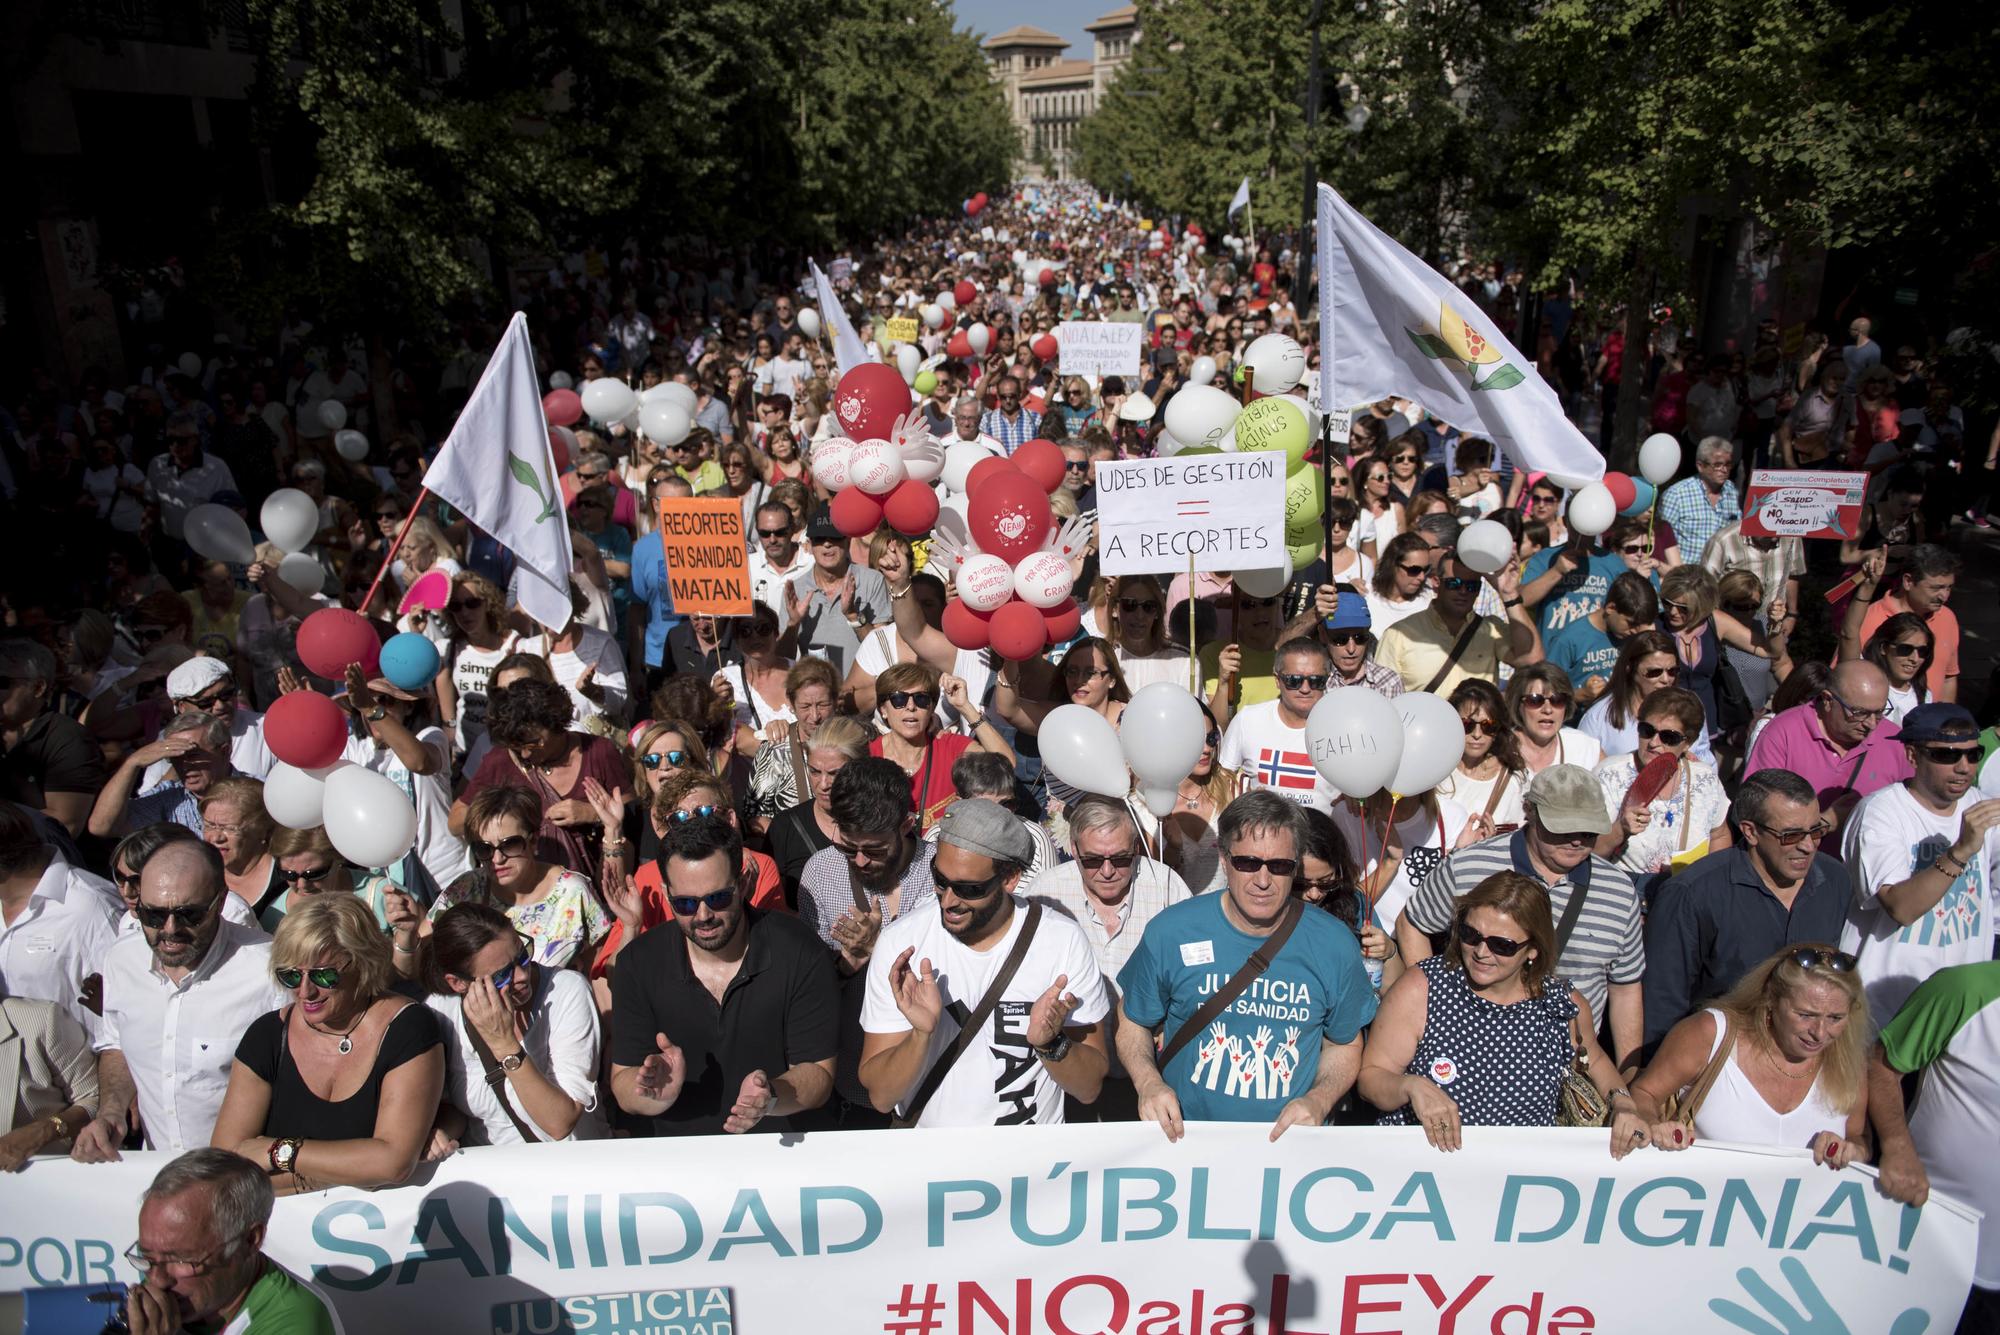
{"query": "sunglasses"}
(316, 875)
(191, 915)
(672, 759)
(1502, 946)
(1667, 736)
(504, 977)
(968, 891)
(1792, 838)
(1250, 866)
(1094, 861)
(1909, 650)
(1837, 960)
(773, 534)
(213, 699)
(1658, 673)
(1311, 681)
(1072, 466)
(1540, 701)
(686, 906)
(1213, 739)
(1543, 500)
(464, 604)
(289, 979)
(1457, 584)
(904, 699)
(1641, 549)
(1408, 458)
(1950, 755)
(1487, 727)
(151, 634)
(513, 846)
(1414, 570)
(1131, 605)
(1321, 885)
(703, 811)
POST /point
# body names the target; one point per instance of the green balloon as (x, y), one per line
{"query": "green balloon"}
(1302, 529)
(1192, 450)
(1304, 553)
(1275, 423)
(1303, 496)
(925, 382)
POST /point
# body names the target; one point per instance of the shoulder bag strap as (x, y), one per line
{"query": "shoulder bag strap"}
(1684, 1112)
(854, 888)
(496, 1079)
(1571, 912)
(975, 1023)
(1260, 960)
(1499, 789)
(797, 750)
(1472, 622)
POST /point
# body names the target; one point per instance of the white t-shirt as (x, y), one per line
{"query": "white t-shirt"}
(592, 646)
(1160, 665)
(1425, 839)
(1268, 753)
(562, 1043)
(1473, 794)
(471, 668)
(1888, 838)
(1383, 614)
(1000, 1081)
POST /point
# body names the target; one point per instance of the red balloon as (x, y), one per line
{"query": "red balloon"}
(869, 401)
(958, 345)
(333, 637)
(963, 291)
(1048, 278)
(1017, 631)
(1043, 461)
(993, 466)
(1045, 345)
(1623, 493)
(911, 508)
(855, 512)
(1009, 516)
(982, 199)
(560, 449)
(563, 407)
(305, 729)
(1063, 620)
(966, 628)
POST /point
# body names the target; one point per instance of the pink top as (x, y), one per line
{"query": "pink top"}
(1794, 740)
(1212, 589)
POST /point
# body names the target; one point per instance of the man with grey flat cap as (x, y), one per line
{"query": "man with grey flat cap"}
(981, 1010)
(1600, 942)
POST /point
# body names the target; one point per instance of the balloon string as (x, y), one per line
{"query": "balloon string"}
(389, 557)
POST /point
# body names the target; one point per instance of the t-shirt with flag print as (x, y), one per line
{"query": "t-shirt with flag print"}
(1266, 752)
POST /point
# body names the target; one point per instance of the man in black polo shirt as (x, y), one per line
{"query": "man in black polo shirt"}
(725, 1018)
(1738, 906)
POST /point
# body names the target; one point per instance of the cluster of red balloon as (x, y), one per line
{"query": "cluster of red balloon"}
(1632, 495)
(304, 728)
(971, 341)
(1013, 593)
(871, 478)
(975, 204)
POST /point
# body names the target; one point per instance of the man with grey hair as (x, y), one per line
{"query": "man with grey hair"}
(989, 776)
(1735, 908)
(202, 1225)
(47, 761)
(197, 744)
(1701, 506)
(185, 475)
(1284, 1045)
(965, 426)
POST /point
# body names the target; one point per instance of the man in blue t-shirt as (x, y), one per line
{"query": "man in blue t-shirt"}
(1564, 587)
(1289, 1046)
(1588, 649)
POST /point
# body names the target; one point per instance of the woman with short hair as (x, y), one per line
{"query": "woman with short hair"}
(309, 865)
(1688, 613)
(1688, 817)
(777, 772)
(234, 822)
(1647, 662)
(807, 826)
(554, 906)
(1538, 700)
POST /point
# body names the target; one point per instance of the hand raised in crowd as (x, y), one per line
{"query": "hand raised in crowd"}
(1326, 600)
(894, 566)
(957, 695)
(587, 685)
(1229, 663)
(358, 693)
(1635, 821)
(1973, 827)
(357, 535)
(724, 690)
(289, 680)
(1436, 1112)
(1506, 581)
(661, 1074)
(165, 748)
(1376, 944)
(847, 592)
(915, 988)
(1050, 1013)
(754, 1100)
(405, 919)
(608, 807)
(1478, 826)
(1780, 613)
(1874, 564)
(796, 606)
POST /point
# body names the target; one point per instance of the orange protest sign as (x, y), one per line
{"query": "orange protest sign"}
(708, 561)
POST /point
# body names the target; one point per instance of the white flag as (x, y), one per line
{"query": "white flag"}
(847, 350)
(496, 468)
(1242, 198)
(1389, 324)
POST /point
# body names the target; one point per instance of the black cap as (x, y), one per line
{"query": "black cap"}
(820, 527)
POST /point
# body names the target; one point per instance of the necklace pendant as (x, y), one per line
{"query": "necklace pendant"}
(346, 1044)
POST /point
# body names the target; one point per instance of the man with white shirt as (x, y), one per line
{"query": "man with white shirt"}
(778, 555)
(782, 374)
(1266, 743)
(56, 922)
(965, 415)
(178, 995)
(205, 685)
(184, 475)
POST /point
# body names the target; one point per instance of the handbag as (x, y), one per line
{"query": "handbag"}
(1683, 1106)
(1220, 1000)
(1577, 1101)
(974, 1025)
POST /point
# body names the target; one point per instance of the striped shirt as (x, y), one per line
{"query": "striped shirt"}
(1155, 886)
(1013, 433)
(1608, 945)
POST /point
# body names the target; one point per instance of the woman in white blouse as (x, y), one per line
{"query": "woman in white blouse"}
(1488, 781)
(1688, 817)
(1538, 700)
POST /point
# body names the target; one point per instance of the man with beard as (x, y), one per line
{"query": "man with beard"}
(980, 1011)
(727, 1019)
(178, 993)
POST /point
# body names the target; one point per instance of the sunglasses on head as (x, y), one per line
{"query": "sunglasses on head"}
(1130, 605)
(1249, 866)
(1538, 700)
(289, 979)
(513, 846)
(671, 759)
(1311, 681)
(1807, 957)
(968, 891)
(704, 811)
(191, 915)
(1667, 736)
(1950, 755)
(1502, 946)
(686, 906)
(1791, 838)
(905, 699)
(1481, 725)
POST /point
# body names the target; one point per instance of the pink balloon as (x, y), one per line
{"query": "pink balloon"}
(869, 400)
(563, 407)
(1009, 516)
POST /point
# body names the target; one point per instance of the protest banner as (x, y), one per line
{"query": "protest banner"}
(1796, 503)
(1055, 1231)
(901, 329)
(1220, 511)
(708, 563)
(1091, 348)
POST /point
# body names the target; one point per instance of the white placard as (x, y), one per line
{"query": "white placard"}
(1225, 511)
(1097, 348)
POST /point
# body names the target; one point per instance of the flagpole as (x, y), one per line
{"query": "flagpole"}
(389, 557)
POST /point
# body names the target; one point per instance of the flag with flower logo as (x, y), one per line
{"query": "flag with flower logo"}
(1390, 325)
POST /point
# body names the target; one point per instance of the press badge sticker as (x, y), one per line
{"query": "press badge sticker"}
(1197, 952)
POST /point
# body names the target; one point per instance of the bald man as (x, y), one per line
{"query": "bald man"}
(1838, 741)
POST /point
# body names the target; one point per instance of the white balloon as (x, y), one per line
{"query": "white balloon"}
(984, 582)
(1079, 747)
(190, 364)
(1356, 740)
(876, 467)
(909, 358)
(980, 337)
(672, 391)
(219, 534)
(665, 423)
(809, 322)
(960, 457)
(332, 414)
(1201, 415)
(352, 445)
(1571, 481)
(1592, 509)
(290, 519)
(1659, 459)
(560, 380)
(1202, 371)
(368, 818)
(1161, 801)
(296, 798)
(1268, 582)
(1161, 733)
(1485, 546)
(302, 571)
(1276, 362)
(608, 400)
(1043, 579)
(946, 301)
(1433, 742)
(932, 315)
(829, 462)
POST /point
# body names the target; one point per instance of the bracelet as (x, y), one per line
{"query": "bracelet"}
(614, 846)
(1510, 602)
(1937, 864)
(402, 950)
(61, 1127)
(903, 592)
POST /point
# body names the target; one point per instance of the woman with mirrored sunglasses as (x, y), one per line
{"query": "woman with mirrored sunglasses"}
(1690, 614)
(1688, 817)
(659, 747)
(1483, 1034)
(514, 1031)
(1792, 1038)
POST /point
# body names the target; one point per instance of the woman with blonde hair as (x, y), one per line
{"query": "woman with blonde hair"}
(1689, 613)
(234, 822)
(807, 826)
(1134, 618)
(1781, 1060)
(425, 547)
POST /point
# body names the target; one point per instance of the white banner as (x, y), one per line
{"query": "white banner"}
(1083, 1229)
(1095, 348)
(1222, 511)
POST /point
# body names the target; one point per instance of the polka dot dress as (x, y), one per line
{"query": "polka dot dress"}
(1502, 1065)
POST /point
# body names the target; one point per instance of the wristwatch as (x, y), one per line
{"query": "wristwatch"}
(377, 714)
(512, 1062)
(1510, 602)
(285, 1153)
(1057, 1050)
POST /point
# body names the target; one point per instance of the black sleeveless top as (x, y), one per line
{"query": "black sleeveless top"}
(297, 1111)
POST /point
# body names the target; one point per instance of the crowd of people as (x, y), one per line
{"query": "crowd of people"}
(1713, 865)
